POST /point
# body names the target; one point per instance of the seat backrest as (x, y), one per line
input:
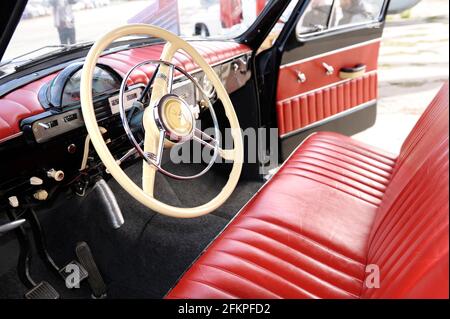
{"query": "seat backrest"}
(410, 238)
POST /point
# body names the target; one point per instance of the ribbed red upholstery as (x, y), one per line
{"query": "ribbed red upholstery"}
(334, 207)
(409, 240)
(306, 109)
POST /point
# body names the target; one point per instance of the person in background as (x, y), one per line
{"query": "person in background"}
(316, 18)
(64, 20)
(353, 11)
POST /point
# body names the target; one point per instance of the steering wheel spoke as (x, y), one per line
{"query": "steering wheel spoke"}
(212, 143)
(166, 116)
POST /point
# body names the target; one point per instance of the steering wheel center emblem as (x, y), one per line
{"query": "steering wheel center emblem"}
(176, 117)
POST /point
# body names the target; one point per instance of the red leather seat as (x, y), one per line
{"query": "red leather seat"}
(337, 211)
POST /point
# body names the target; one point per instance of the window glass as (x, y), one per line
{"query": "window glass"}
(355, 11)
(315, 17)
(48, 25)
(327, 14)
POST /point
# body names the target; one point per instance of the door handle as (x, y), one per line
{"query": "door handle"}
(328, 68)
(301, 77)
(352, 72)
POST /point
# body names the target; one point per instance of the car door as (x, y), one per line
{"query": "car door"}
(327, 77)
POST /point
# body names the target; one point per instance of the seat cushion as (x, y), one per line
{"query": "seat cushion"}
(305, 234)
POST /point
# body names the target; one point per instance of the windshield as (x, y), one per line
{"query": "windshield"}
(49, 25)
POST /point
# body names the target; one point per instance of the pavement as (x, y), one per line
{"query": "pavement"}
(413, 65)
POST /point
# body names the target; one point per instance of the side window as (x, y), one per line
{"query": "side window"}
(322, 15)
(355, 11)
(315, 17)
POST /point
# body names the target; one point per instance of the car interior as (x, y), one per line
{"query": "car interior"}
(149, 164)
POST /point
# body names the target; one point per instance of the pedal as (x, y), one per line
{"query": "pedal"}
(95, 279)
(42, 291)
(72, 268)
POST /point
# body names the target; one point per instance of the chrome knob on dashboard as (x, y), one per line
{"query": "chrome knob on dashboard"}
(56, 175)
(41, 195)
(44, 125)
(13, 201)
(36, 181)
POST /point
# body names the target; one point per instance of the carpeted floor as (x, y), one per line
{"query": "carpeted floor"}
(147, 255)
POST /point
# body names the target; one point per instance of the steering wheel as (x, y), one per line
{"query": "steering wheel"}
(159, 121)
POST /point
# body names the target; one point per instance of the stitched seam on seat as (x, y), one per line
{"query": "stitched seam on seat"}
(376, 201)
(269, 271)
(398, 211)
(353, 170)
(404, 190)
(302, 253)
(422, 231)
(307, 273)
(366, 161)
(358, 163)
(358, 151)
(242, 277)
(211, 286)
(418, 224)
(403, 266)
(361, 151)
(379, 189)
(349, 141)
(307, 238)
(422, 236)
(424, 126)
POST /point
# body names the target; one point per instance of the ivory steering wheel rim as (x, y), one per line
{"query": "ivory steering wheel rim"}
(145, 195)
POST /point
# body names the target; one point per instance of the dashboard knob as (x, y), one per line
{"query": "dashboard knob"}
(44, 125)
(13, 201)
(36, 181)
(56, 175)
(41, 195)
(72, 149)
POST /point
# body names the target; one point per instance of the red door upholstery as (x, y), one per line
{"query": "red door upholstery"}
(334, 208)
(324, 95)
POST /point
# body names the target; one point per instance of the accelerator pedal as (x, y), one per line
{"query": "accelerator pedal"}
(43, 290)
(95, 279)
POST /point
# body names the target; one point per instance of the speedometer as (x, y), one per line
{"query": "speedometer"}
(64, 90)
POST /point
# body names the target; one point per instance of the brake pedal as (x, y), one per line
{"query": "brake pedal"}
(95, 279)
(43, 290)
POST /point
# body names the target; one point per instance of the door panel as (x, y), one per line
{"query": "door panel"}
(328, 75)
(315, 72)
(307, 94)
(306, 109)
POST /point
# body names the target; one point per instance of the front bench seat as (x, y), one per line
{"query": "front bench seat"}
(335, 210)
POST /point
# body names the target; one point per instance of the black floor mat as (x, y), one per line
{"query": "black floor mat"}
(147, 255)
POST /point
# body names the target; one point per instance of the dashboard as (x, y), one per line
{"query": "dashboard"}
(46, 129)
(61, 96)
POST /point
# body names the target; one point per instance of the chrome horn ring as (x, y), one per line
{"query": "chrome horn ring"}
(167, 129)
